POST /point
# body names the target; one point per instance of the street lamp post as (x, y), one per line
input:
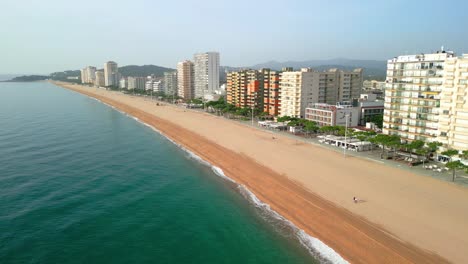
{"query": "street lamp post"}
(346, 135)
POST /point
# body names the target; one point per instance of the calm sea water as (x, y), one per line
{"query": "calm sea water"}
(83, 183)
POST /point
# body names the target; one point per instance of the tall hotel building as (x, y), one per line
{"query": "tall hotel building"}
(425, 98)
(111, 74)
(185, 80)
(206, 73)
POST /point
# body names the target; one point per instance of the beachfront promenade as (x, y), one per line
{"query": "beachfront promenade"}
(406, 217)
(372, 155)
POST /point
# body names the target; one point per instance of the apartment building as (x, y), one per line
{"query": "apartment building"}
(88, 74)
(297, 92)
(111, 74)
(206, 73)
(350, 85)
(170, 82)
(185, 80)
(453, 113)
(84, 76)
(245, 88)
(123, 83)
(413, 95)
(271, 92)
(99, 80)
(333, 115)
(136, 83)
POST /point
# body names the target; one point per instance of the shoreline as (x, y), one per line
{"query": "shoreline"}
(333, 224)
(316, 248)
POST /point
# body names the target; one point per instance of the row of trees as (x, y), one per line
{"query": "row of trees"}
(221, 107)
(391, 143)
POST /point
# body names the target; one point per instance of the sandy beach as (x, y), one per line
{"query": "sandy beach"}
(403, 218)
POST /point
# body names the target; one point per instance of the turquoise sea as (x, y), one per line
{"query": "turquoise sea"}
(83, 183)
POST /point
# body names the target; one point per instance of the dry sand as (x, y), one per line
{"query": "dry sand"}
(405, 218)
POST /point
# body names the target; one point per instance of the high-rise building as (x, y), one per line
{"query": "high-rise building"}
(123, 83)
(350, 86)
(453, 114)
(99, 81)
(271, 92)
(185, 79)
(90, 74)
(111, 73)
(206, 73)
(296, 92)
(84, 76)
(413, 95)
(245, 88)
(170, 83)
(136, 83)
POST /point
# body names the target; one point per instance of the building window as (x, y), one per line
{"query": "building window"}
(443, 134)
(445, 112)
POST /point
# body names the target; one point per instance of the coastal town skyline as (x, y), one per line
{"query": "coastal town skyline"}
(163, 39)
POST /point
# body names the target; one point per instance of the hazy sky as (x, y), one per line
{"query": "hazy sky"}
(42, 36)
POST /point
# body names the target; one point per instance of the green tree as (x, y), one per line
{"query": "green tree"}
(377, 120)
(454, 166)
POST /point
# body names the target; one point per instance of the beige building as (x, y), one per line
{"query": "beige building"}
(333, 115)
(300, 89)
(137, 83)
(185, 80)
(413, 95)
(170, 83)
(99, 80)
(453, 114)
(297, 92)
(111, 74)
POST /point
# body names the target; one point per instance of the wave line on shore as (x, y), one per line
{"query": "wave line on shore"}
(316, 247)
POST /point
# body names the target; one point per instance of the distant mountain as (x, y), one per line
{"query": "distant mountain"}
(75, 75)
(373, 69)
(143, 71)
(28, 78)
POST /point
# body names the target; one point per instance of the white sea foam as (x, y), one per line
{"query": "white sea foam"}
(317, 248)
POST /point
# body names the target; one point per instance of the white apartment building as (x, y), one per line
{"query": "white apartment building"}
(413, 95)
(88, 74)
(153, 85)
(297, 92)
(111, 73)
(206, 73)
(99, 81)
(185, 80)
(136, 83)
(333, 115)
(453, 114)
(84, 76)
(123, 83)
(170, 83)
